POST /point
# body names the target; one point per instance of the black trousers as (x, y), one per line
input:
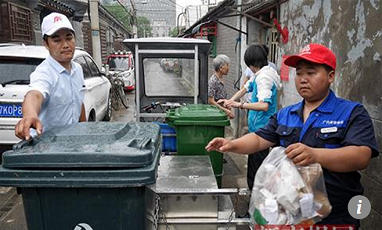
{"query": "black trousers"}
(254, 162)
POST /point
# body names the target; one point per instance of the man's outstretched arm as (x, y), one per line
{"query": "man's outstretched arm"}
(31, 108)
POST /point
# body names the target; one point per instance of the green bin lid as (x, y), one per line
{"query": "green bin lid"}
(198, 114)
(88, 145)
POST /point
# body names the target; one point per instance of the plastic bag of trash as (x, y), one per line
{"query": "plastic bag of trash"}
(285, 194)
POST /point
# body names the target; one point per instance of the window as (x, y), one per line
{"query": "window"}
(132, 62)
(85, 67)
(12, 69)
(169, 76)
(119, 63)
(19, 27)
(93, 67)
(208, 32)
(273, 44)
(20, 23)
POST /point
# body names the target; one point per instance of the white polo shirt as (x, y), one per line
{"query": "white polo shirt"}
(63, 92)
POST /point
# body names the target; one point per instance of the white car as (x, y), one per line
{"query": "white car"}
(17, 62)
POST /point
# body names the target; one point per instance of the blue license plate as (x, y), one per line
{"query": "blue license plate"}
(10, 110)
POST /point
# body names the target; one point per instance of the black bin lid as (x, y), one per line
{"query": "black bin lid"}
(88, 145)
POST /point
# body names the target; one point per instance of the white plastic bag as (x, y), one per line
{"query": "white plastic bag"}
(284, 194)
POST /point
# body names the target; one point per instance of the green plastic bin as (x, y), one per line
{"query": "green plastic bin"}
(196, 125)
(85, 176)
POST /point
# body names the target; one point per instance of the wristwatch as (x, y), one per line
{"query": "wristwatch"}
(242, 105)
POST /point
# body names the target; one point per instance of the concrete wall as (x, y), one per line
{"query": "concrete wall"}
(352, 29)
(226, 42)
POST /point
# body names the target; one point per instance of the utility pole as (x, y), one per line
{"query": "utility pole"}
(94, 24)
(134, 19)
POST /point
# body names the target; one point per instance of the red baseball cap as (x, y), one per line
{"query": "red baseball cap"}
(314, 53)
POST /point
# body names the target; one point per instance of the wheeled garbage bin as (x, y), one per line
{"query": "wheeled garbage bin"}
(195, 126)
(168, 137)
(85, 176)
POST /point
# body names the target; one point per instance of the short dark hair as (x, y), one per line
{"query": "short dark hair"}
(266, 49)
(327, 68)
(256, 56)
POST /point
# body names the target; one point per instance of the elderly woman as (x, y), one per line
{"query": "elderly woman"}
(216, 89)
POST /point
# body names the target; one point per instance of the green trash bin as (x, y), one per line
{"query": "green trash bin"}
(195, 126)
(85, 176)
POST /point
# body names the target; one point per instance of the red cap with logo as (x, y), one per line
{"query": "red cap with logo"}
(314, 53)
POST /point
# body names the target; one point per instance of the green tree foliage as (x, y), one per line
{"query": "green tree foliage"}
(144, 28)
(173, 32)
(120, 14)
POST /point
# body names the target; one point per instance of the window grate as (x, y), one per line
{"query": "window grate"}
(20, 23)
(273, 44)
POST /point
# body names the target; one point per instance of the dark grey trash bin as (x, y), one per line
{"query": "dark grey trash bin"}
(87, 174)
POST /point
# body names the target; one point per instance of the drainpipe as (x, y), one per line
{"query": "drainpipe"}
(94, 24)
(236, 131)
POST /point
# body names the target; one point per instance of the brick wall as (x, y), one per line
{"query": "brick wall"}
(226, 41)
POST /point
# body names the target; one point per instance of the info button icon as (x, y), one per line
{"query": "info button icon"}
(359, 207)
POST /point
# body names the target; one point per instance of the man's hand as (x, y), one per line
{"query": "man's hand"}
(219, 144)
(23, 126)
(31, 108)
(300, 154)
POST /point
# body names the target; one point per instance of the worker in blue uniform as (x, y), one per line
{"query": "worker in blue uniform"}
(336, 133)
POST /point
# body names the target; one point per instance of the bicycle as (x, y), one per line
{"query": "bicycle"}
(117, 93)
(161, 107)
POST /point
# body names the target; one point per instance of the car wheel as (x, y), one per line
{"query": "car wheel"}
(108, 110)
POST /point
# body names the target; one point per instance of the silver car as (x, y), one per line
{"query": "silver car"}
(17, 62)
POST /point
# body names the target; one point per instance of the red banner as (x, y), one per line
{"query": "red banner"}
(284, 70)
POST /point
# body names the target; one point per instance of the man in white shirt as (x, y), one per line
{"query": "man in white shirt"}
(55, 97)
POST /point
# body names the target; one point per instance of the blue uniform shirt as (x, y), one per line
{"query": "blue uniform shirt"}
(335, 123)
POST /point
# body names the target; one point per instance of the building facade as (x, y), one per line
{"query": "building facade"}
(21, 20)
(162, 14)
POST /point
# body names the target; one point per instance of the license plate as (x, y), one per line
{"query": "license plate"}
(10, 110)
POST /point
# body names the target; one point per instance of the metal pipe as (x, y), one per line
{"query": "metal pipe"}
(196, 70)
(221, 191)
(234, 221)
(166, 51)
(137, 87)
(253, 18)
